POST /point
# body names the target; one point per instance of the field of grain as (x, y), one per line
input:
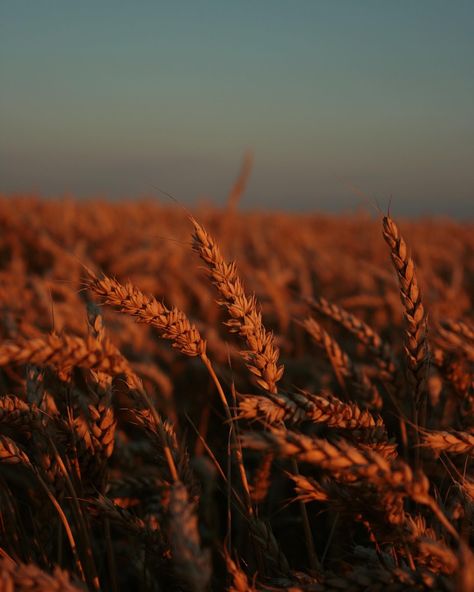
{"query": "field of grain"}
(213, 400)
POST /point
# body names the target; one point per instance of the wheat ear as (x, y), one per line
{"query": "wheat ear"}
(416, 344)
(372, 341)
(261, 355)
(171, 323)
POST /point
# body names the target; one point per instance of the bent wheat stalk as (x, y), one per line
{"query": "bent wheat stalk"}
(296, 408)
(344, 368)
(380, 350)
(171, 323)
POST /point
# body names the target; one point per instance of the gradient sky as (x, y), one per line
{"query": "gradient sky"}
(335, 98)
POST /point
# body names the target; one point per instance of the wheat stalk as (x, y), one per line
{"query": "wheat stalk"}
(381, 351)
(416, 344)
(295, 408)
(65, 352)
(344, 368)
(454, 442)
(171, 323)
(261, 355)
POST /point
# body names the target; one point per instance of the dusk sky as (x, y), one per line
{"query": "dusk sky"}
(335, 99)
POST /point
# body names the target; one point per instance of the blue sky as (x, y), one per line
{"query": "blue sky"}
(333, 97)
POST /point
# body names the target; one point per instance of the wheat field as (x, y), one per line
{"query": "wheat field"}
(244, 401)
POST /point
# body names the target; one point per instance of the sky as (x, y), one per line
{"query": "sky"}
(342, 103)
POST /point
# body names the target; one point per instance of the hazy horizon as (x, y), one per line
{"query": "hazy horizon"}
(335, 100)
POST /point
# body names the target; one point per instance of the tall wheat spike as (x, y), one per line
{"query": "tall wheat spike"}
(416, 343)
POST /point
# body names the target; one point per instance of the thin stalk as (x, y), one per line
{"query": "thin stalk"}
(236, 444)
(67, 528)
(443, 520)
(166, 449)
(80, 516)
(313, 558)
(237, 449)
(110, 557)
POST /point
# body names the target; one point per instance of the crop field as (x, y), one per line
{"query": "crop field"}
(215, 400)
